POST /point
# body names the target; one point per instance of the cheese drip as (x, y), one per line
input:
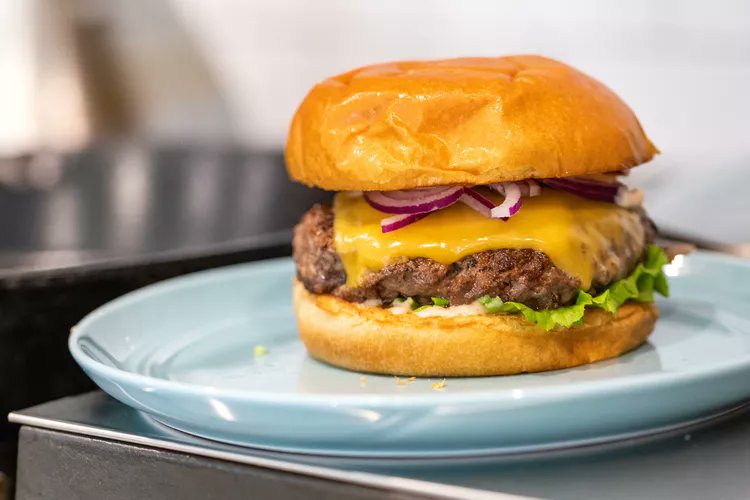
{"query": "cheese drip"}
(575, 233)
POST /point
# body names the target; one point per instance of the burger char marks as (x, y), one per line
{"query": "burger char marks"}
(520, 275)
(319, 267)
(524, 275)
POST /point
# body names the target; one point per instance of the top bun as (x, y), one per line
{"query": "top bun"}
(464, 121)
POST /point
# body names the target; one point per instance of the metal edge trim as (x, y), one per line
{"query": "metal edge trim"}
(352, 477)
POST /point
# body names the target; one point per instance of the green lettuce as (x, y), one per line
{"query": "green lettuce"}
(440, 301)
(640, 286)
(436, 301)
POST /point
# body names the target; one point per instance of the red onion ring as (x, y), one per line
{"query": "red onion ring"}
(512, 202)
(409, 206)
(398, 221)
(585, 188)
(477, 201)
(534, 188)
(413, 201)
(611, 192)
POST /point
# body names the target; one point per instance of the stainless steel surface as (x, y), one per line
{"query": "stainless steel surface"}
(94, 469)
(125, 425)
(698, 462)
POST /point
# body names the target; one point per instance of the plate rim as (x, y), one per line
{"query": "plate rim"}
(648, 381)
(654, 432)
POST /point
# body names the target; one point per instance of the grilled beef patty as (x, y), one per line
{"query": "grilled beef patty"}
(520, 275)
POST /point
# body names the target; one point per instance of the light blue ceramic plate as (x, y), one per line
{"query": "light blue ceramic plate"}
(184, 352)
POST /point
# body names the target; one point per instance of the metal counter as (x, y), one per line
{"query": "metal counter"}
(91, 446)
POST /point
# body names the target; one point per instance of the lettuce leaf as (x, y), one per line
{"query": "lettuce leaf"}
(440, 301)
(640, 286)
(436, 301)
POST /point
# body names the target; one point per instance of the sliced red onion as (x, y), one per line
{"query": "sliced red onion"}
(414, 201)
(611, 192)
(412, 205)
(529, 187)
(409, 206)
(512, 202)
(398, 221)
(534, 188)
(477, 201)
(586, 188)
(584, 183)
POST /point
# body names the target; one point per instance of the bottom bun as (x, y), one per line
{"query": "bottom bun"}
(372, 339)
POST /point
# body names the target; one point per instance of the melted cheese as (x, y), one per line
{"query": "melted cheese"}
(575, 233)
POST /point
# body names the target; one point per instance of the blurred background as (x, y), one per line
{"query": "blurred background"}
(140, 139)
(125, 86)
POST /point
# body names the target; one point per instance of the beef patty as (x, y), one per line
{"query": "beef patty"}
(520, 275)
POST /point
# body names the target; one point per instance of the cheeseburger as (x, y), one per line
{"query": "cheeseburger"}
(480, 226)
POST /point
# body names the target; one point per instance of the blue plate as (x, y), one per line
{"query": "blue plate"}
(184, 351)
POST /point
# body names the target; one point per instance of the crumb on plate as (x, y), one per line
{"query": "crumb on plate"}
(439, 386)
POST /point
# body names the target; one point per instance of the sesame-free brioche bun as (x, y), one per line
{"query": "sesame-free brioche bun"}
(372, 339)
(464, 121)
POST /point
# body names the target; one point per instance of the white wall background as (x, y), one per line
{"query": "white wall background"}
(235, 70)
(683, 66)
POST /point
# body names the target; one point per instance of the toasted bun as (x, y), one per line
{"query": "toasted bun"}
(372, 339)
(460, 121)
